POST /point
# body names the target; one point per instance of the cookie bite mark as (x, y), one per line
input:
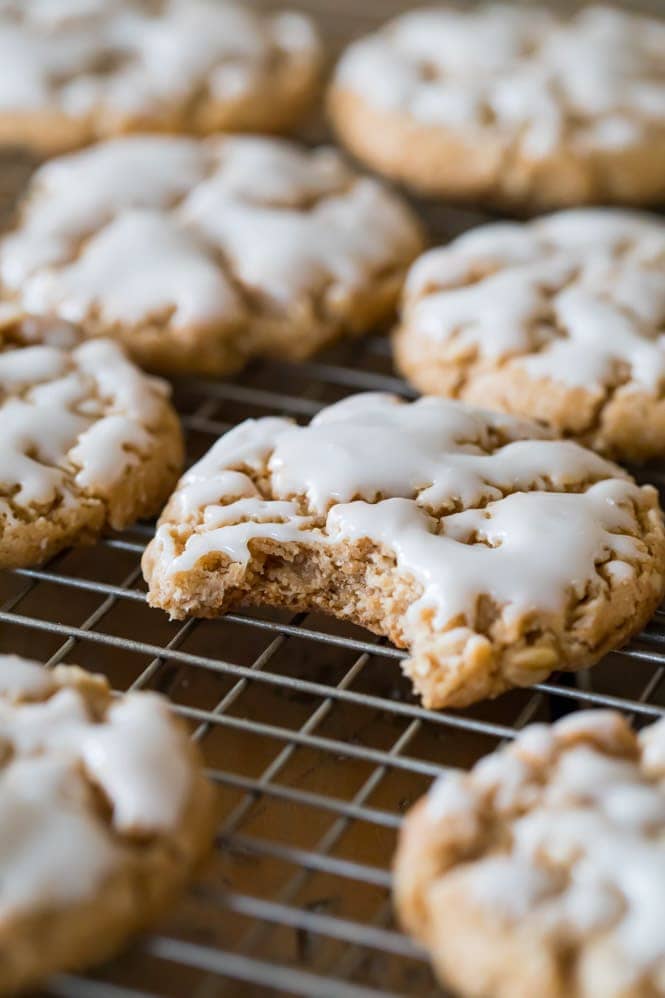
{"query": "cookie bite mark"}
(543, 869)
(516, 106)
(492, 552)
(88, 441)
(561, 319)
(168, 245)
(106, 813)
(75, 74)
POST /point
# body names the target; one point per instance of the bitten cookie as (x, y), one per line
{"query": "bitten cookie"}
(105, 812)
(72, 72)
(542, 871)
(561, 319)
(493, 554)
(86, 441)
(510, 103)
(201, 254)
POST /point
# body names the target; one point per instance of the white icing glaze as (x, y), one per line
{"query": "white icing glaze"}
(55, 848)
(171, 231)
(52, 849)
(124, 57)
(572, 297)
(520, 75)
(84, 414)
(139, 739)
(507, 887)
(605, 855)
(19, 677)
(372, 467)
(454, 569)
(178, 281)
(506, 777)
(75, 195)
(451, 797)
(535, 744)
(604, 727)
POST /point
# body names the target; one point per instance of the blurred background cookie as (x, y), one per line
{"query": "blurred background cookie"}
(105, 813)
(74, 72)
(512, 104)
(200, 254)
(87, 440)
(561, 319)
(542, 871)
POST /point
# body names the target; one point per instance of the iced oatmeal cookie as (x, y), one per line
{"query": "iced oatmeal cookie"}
(105, 813)
(561, 319)
(79, 70)
(200, 254)
(542, 871)
(86, 440)
(512, 104)
(491, 552)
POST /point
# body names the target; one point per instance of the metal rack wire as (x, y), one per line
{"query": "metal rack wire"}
(307, 726)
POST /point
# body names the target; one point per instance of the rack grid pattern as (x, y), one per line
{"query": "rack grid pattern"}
(307, 725)
(308, 728)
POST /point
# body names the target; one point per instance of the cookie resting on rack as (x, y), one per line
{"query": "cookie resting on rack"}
(105, 814)
(561, 319)
(491, 552)
(72, 72)
(513, 104)
(200, 254)
(542, 871)
(86, 440)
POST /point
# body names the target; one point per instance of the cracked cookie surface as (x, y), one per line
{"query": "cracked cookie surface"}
(561, 319)
(491, 552)
(542, 871)
(105, 813)
(515, 105)
(87, 440)
(74, 72)
(169, 244)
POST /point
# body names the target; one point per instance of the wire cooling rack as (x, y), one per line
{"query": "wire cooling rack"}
(307, 726)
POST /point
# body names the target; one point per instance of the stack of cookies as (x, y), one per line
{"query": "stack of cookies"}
(484, 527)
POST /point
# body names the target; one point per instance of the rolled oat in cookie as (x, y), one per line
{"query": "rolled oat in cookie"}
(200, 254)
(105, 813)
(561, 319)
(512, 104)
(492, 552)
(86, 439)
(75, 71)
(542, 871)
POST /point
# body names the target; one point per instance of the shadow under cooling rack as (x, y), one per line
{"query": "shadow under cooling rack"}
(308, 728)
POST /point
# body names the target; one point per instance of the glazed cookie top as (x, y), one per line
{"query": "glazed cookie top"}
(137, 57)
(564, 831)
(75, 419)
(595, 81)
(461, 497)
(182, 233)
(84, 778)
(577, 297)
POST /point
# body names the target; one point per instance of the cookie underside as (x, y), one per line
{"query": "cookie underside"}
(467, 167)
(454, 667)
